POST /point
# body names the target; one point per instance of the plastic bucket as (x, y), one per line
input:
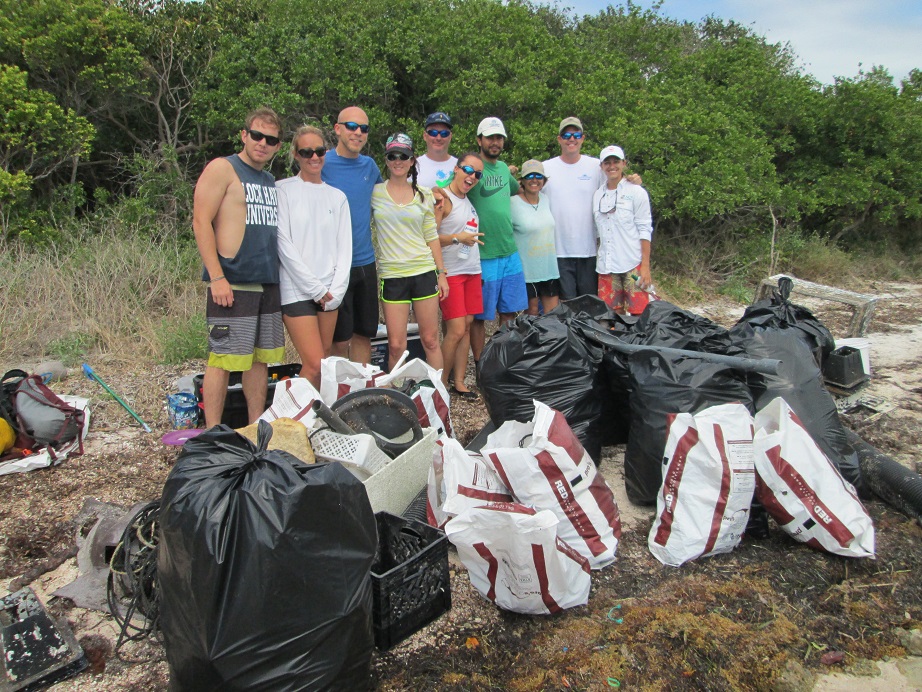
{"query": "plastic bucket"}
(184, 411)
(864, 348)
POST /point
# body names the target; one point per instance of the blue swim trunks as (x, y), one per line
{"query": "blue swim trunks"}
(503, 286)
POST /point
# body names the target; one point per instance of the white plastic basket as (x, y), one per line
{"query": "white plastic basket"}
(358, 453)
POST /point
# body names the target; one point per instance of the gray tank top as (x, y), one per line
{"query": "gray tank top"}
(257, 260)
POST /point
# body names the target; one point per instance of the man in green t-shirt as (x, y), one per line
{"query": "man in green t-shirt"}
(503, 277)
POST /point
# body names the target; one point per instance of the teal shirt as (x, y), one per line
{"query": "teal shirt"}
(534, 236)
(491, 200)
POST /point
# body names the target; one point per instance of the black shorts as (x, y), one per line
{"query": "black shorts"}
(406, 289)
(543, 289)
(303, 308)
(358, 313)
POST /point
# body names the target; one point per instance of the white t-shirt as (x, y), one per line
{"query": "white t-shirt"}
(569, 188)
(463, 217)
(314, 241)
(432, 172)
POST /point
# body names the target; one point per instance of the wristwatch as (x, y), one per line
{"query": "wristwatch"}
(455, 241)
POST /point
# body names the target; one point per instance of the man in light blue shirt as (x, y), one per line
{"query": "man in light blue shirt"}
(347, 169)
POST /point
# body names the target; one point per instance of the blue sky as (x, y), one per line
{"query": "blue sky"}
(831, 37)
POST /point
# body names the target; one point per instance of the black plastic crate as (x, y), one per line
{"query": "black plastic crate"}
(235, 405)
(409, 578)
(844, 367)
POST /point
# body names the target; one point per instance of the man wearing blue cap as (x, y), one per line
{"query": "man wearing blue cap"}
(436, 165)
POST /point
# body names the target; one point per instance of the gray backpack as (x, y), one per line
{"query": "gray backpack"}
(44, 418)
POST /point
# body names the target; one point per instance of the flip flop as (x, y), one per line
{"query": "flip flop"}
(464, 395)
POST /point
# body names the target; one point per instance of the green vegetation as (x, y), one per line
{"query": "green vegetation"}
(109, 109)
(181, 340)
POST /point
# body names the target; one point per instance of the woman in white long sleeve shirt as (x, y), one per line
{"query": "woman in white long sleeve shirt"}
(315, 249)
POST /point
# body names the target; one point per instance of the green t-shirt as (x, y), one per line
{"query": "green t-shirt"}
(491, 200)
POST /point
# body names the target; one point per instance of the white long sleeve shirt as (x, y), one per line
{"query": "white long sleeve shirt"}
(620, 230)
(314, 241)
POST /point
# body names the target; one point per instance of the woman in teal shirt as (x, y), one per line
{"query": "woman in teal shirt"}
(533, 225)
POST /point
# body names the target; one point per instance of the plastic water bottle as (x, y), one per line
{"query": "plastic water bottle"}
(465, 250)
(651, 289)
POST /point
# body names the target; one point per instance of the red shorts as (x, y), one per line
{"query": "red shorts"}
(465, 296)
(620, 292)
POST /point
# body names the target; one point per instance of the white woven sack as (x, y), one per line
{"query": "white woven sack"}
(515, 559)
(429, 393)
(339, 376)
(293, 398)
(544, 465)
(708, 479)
(803, 491)
(461, 478)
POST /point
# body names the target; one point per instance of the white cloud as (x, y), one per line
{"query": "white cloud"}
(836, 38)
(831, 37)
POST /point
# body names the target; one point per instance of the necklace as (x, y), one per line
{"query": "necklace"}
(534, 205)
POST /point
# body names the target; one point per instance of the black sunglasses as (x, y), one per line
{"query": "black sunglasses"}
(470, 170)
(439, 133)
(352, 127)
(394, 156)
(259, 136)
(534, 176)
(309, 153)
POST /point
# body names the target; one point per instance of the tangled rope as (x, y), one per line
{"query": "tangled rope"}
(132, 590)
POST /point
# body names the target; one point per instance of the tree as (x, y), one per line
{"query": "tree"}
(37, 137)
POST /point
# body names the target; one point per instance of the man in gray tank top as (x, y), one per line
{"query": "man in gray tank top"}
(234, 219)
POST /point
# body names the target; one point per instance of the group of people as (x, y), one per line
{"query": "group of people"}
(466, 237)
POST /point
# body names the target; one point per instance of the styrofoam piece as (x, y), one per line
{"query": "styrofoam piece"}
(864, 348)
(393, 488)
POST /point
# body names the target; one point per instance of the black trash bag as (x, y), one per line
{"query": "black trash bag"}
(588, 305)
(264, 569)
(660, 324)
(778, 312)
(664, 324)
(664, 386)
(800, 383)
(543, 358)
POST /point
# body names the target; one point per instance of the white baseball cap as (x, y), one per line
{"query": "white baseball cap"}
(612, 150)
(491, 126)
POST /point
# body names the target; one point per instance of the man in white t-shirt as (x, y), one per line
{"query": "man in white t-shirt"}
(572, 179)
(436, 165)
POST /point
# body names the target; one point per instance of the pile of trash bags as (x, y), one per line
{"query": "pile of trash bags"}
(566, 359)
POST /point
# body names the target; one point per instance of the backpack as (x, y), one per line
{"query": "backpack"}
(45, 420)
(8, 386)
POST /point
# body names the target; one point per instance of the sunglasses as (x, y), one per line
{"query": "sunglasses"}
(534, 176)
(393, 156)
(470, 170)
(259, 136)
(309, 153)
(572, 135)
(439, 133)
(352, 127)
(607, 205)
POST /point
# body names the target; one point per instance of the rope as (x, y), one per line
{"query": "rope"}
(132, 591)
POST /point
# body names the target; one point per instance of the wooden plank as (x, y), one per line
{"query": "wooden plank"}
(863, 304)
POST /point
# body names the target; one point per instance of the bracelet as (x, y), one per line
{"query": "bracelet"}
(217, 278)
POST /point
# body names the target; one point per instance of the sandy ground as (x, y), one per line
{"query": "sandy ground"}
(896, 385)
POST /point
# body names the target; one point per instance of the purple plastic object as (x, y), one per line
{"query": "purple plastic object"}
(179, 437)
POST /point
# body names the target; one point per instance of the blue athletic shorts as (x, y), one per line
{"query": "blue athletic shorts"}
(503, 286)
